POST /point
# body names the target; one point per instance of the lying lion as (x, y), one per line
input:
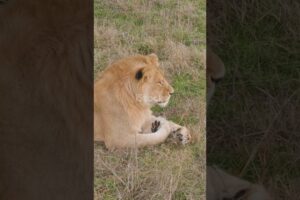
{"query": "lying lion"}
(123, 97)
(221, 185)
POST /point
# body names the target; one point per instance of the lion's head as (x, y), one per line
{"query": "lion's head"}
(152, 86)
(143, 79)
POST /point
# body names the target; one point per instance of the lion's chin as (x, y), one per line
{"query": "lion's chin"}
(163, 104)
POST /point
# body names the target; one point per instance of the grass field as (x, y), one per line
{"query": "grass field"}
(175, 31)
(254, 119)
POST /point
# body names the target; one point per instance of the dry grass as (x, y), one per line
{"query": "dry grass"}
(175, 31)
(255, 133)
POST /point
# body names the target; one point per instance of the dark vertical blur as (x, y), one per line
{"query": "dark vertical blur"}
(253, 121)
(46, 94)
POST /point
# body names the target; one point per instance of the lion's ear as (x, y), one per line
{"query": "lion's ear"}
(139, 74)
(154, 59)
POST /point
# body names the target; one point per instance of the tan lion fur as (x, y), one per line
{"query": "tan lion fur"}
(123, 96)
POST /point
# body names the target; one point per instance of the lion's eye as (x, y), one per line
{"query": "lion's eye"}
(160, 83)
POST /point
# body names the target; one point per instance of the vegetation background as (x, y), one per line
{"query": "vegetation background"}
(254, 118)
(175, 31)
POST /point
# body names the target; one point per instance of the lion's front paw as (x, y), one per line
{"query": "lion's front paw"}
(155, 126)
(182, 135)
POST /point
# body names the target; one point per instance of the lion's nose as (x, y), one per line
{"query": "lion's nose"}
(171, 90)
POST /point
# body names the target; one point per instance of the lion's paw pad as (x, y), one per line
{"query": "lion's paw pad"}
(155, 126)
(182, 135)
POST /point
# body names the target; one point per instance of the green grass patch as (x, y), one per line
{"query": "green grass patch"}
(184, 85)
(108, 187)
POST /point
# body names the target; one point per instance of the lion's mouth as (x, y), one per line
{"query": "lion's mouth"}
(163, 103)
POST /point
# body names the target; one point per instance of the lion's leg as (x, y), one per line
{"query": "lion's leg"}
(152, 138)
(140, 139)
(153, 124)
(180, 133)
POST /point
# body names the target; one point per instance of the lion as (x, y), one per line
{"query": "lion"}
(220, 184)
(123, 96)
